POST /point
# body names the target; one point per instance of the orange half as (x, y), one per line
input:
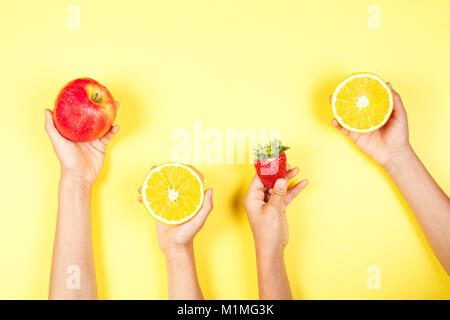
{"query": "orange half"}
(172, 193)
(362, 103)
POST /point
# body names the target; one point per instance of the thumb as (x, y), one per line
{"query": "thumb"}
(50, 126)
(206, 208)
(278, 193)
(399, 108)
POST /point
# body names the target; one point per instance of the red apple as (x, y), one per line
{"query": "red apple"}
(84, 110)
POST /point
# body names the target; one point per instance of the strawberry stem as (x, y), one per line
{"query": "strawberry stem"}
(270, 150)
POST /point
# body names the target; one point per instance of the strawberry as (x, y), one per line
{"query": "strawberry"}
(270, 162)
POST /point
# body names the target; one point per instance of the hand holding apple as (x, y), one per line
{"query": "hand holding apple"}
(80, 161)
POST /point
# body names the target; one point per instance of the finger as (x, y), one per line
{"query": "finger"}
(140, 190)
(329, 98)
(292, 173)
(50, 126)
(109, 135)
(335, 123)
(140, 199)
(256, 185)
(295, 190)
(399, 108)
(206, 208)
(278, 193)
(288, 167)
(339, 127)
(256, 191)
(117, 104)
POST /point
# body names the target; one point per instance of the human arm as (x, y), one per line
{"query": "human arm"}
(390, 148)
(266, 211)
(428, 202)
(177, 244)
(73, 269)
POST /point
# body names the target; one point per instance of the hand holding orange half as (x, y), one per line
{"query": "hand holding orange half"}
(364, 112)
(174, 195)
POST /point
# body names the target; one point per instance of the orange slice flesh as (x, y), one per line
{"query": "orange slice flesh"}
(172, 193)
(362, 103)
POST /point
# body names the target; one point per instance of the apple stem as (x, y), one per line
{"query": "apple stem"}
(95, 97)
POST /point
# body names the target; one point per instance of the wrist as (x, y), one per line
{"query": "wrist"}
(75, 181)
(175, 251)
(269, 252)
(399, 159)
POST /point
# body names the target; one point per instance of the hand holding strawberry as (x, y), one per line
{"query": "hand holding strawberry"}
(265, 203)
(266, 210)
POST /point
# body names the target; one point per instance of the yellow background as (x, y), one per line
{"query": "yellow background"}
(232, 64)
